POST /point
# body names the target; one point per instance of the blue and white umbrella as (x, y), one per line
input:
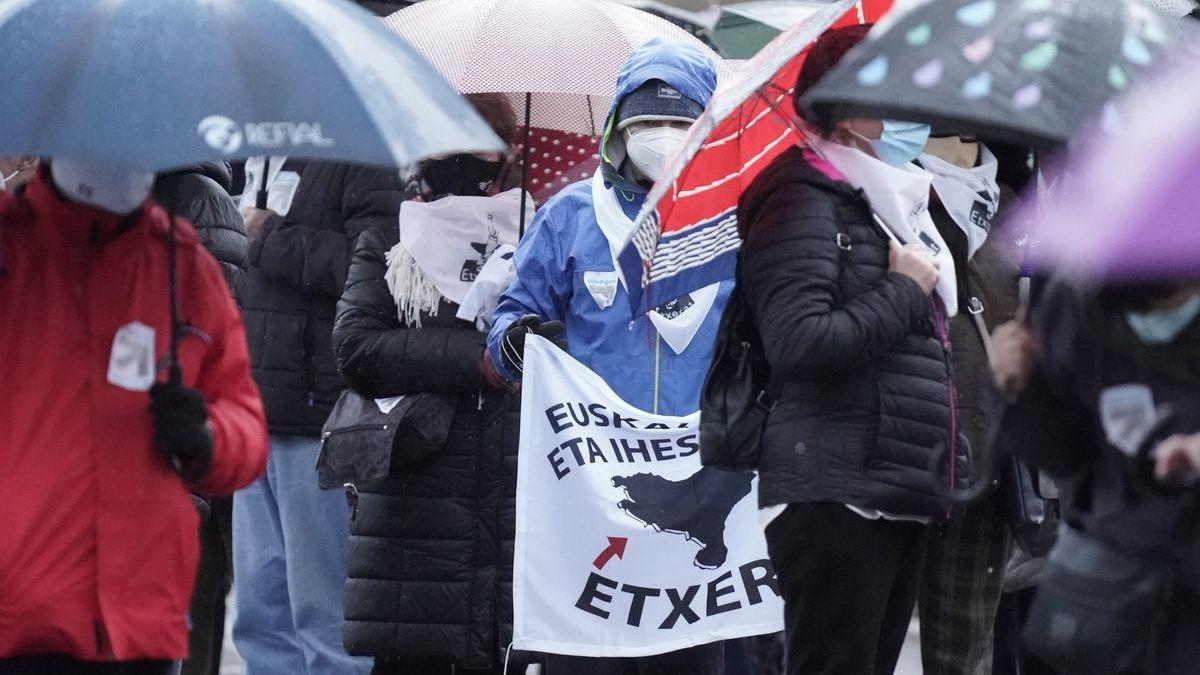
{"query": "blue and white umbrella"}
(158, 84)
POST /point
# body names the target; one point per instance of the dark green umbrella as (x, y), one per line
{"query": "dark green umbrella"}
(1026, 71)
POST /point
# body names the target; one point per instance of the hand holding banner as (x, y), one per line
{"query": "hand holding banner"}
(626, 545)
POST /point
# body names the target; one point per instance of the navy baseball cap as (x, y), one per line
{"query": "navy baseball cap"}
(656, 101)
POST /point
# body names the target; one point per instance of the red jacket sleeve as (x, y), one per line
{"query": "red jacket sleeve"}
(235, 411)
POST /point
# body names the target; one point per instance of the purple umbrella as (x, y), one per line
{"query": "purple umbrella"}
(1129, 204)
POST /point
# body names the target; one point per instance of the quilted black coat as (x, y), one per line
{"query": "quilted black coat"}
(431, 547)
(865, 414)
(200, 195)
(297, 270)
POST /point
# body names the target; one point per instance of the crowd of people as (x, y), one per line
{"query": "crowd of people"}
(133, 502)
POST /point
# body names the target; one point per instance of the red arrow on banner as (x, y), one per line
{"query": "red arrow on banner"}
(616, 547)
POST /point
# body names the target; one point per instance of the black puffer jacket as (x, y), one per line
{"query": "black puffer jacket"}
(297, 269)
(431, 550)
(865, 416)
(1058, 424)
(200, 195)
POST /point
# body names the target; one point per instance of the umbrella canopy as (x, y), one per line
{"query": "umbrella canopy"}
(1026, 71)
(746, 27)
(562, 58)
(686, 237)
(567, 54)
(1126, 208)
(695, 21)
(690, 5)
(162, 84)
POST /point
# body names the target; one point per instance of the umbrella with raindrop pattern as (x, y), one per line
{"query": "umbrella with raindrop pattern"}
(1030, 72)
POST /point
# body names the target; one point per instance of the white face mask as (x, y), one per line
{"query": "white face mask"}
(649, 149)
(104, 187)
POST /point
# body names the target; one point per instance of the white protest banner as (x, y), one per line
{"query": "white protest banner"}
(626, 545)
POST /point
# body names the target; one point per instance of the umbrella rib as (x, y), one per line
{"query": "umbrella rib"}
(473, 43)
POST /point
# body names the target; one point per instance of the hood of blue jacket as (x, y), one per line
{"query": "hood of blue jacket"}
(683, 65)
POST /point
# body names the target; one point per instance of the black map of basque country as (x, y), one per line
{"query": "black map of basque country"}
(696, 507)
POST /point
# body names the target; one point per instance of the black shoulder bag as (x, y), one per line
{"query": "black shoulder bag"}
(739, 392)
(360, 440)
(1029, 499)
(1099, 609)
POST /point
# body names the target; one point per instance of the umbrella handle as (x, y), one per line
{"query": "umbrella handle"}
(260, 199)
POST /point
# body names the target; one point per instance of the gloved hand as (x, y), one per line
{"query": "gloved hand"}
(181, 429)
(512, 349)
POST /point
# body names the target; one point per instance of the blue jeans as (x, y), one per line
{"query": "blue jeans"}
(289, 561)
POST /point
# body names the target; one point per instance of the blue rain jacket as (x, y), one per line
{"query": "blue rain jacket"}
(564, 243)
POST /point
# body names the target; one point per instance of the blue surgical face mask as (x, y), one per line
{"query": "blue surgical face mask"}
(900, 143)
(1162, 327)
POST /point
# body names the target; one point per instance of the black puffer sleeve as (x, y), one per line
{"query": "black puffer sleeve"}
(790, 262)
(209, 208)
(314, 259)
(377, 355)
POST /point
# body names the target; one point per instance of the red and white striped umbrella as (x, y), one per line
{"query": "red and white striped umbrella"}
(687, 237)
(561, 57)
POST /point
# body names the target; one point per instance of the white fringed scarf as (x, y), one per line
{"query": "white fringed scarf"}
(412, 290)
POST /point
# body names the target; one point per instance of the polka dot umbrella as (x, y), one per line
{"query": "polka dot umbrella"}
(558, 62)
(1030, 72)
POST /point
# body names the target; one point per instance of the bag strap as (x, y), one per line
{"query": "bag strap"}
(768, 398)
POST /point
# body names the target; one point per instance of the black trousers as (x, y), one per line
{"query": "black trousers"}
(849, 586)
(214, 576)
(54, 664)
(703, 660)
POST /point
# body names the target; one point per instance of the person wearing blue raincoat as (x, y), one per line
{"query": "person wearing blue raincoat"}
(565, 269)
(567, 287)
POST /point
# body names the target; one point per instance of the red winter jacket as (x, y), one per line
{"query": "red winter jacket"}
(98, 536)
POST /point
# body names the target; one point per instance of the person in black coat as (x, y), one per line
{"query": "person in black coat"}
(431, 546)
(290, 536)
(859, 453)
(1096, 373)
(201, 195)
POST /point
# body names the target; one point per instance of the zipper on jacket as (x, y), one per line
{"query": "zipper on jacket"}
(939, 319)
